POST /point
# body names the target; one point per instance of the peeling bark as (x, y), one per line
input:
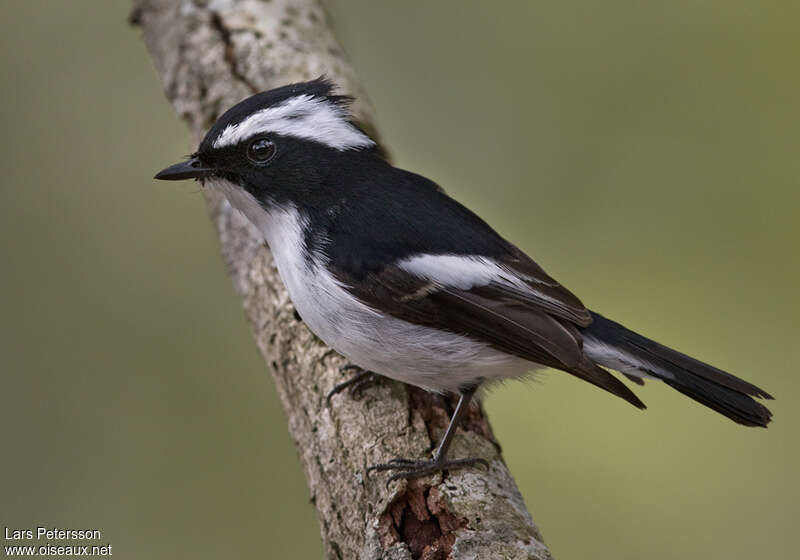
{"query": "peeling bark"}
(209, 55)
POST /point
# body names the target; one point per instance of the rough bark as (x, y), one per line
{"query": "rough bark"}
(209, 55)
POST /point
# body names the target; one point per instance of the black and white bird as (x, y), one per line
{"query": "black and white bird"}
(406, 282)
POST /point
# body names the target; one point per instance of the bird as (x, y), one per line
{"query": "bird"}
(407, 283)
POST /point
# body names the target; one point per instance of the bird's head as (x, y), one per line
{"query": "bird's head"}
(277, 145)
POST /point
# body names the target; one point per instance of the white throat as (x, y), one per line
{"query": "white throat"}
(282, 228)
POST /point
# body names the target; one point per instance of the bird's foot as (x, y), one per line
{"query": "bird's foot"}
(355, 384)
(410, 468)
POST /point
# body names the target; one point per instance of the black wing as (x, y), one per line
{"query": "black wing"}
(520, 310)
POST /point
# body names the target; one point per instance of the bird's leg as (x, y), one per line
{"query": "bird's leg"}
(361, 379)
(410, 468)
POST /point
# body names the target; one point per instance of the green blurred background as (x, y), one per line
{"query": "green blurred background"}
(645, 153)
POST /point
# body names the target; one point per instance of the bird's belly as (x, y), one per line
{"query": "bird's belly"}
(427, 357)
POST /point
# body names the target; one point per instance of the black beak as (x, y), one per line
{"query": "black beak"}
(190, 169)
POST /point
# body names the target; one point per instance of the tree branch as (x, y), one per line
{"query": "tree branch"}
(210, 54)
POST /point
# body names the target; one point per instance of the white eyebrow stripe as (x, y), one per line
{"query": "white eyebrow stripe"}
(304, 116)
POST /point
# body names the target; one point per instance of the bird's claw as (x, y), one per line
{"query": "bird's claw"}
(355, 384)
(410, 468)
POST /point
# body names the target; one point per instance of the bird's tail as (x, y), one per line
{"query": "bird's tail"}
(611, 345)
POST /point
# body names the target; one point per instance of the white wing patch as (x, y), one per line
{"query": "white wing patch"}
(465, 272)
(304, 116)
(454, 271)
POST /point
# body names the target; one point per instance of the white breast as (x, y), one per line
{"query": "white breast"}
(423, 356)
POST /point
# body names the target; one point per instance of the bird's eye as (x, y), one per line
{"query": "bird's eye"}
(261, 150)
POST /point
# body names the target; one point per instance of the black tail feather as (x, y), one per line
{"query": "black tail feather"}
(740, 408)
(702, 382)
(599, 377)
